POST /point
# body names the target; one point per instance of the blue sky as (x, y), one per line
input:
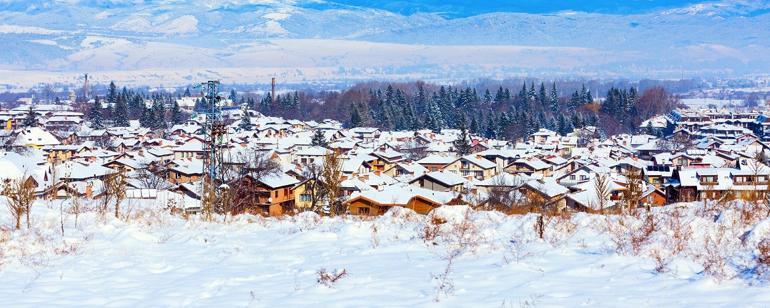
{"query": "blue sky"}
(464, 8)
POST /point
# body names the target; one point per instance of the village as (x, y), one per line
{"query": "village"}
(273, 166)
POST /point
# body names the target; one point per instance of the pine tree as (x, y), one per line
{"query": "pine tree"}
(159, 111)
(187, 92)
(147, 119)
(319, 140)
(542, 96)
(355, 117)
(491, 129)
(176, 114)
(462, 143)
(475, 129)
(120, 115)
(95, 113)
(30, 119)
(554, 99)
(245, 123)
(135, 107)
(434, 119)
(588, 98)
(233, 96)
(531, 95)
(112, 94)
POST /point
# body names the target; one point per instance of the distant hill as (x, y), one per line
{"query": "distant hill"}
(178, 41)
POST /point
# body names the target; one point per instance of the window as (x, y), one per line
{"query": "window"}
(275, 194)
(363, 211)
(572, 177)
(305, 198)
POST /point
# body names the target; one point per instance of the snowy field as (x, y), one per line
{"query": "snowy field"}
(454, 257)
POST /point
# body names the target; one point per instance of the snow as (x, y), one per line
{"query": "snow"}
(152, 258)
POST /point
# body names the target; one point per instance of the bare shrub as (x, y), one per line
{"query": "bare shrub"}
(750, 212)
(640, 236)
(680, 231)
(328, 279)
(432, 229)
(630, 234)
(763, 256)
(562, 228)
(459, 238)
(517, 251)
(20, 195)
(713, 256)
(375, 237)
(661, 258)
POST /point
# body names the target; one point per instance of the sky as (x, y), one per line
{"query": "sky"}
(464, 8)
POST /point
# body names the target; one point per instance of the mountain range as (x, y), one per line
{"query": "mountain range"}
(175, 42)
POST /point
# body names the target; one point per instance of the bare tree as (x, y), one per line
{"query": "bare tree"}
(114, 190)
(240, 192)
(314, 186)
(150, 179)
(332, 180)
(634, 188)
(20, 195)
(674, 144)
(504, 195)
(602, 190)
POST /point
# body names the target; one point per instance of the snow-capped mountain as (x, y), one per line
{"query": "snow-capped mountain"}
(302, 38)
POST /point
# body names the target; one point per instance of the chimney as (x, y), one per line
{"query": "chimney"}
(377, 172)
(272, 90)
(85, 88)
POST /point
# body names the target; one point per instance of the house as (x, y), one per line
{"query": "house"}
(652, 196)
(271, 195)
(407, 170)
(184, 171)
(377, 202)
(532, 166)
(439, 181)
(35, 137)
(551, 193)
(436, 162)
(193, 148)
(472, 165)
(366, 134)
(311, 155)
(386, 159)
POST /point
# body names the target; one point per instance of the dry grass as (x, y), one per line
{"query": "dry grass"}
(328, 279)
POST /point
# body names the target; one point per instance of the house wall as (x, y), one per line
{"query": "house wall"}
(432, 185)
(365, 207)
(465, 168)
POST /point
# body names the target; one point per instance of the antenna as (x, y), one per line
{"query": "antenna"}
(213, 132)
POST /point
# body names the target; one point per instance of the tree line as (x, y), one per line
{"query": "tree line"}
(492, 112)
